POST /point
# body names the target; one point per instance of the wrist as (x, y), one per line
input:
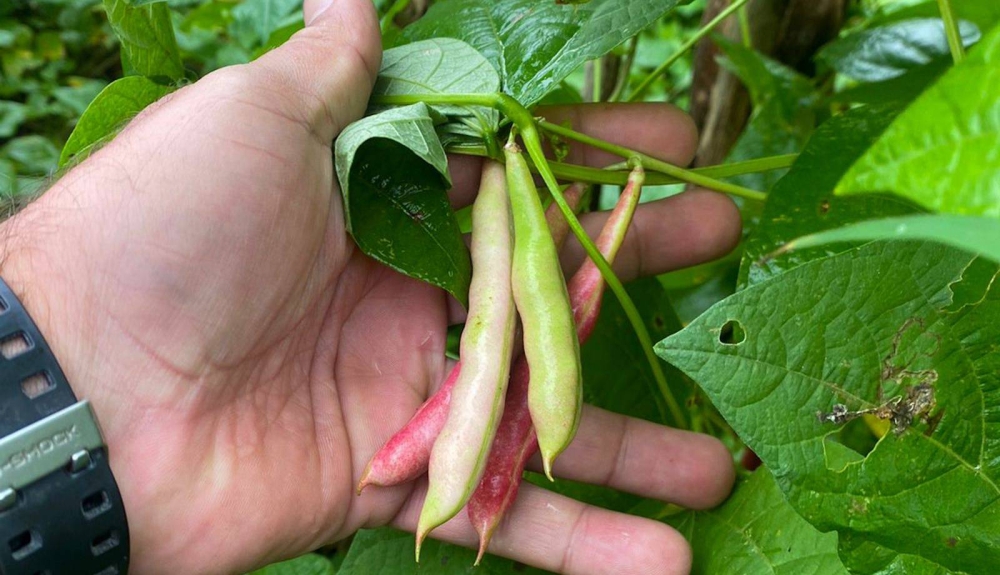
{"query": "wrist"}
(41, 261)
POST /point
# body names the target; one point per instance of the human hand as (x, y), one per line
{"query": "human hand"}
(196, 281)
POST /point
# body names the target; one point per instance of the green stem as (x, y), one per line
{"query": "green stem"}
(651, 163)
(744, 16)
(734, 6)
(390, 14)
(525, 123)
(619, 177)
(951, 30)
(626, 70)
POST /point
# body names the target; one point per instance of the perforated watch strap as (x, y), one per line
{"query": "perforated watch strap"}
(60, 509)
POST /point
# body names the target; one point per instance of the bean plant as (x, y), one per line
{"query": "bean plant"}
(850, 343)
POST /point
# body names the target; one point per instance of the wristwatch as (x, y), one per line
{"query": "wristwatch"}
(60, 509)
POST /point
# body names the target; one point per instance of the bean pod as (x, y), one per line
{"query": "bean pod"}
(460, 452)
(405, 456)
(550, 344)
(515, 441)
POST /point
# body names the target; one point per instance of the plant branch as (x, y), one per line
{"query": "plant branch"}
(644, 85)
(651, 163)
(625, 71)
(951, 30)
(390, 14)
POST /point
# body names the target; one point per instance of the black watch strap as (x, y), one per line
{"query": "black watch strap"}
(60, 509)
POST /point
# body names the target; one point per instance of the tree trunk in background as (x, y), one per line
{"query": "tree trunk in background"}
(789, 31)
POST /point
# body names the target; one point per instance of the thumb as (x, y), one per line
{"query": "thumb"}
(326, 70)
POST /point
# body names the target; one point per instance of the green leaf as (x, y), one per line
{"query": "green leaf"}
(890, 51)
(393, 174)
(976, 235)
(941, 152)
(784, 112)
(802, 202)
(111, 110)
(255, 20)
(865, 328)
(757, 532)
(440, 66)
(12, 115)
(536, 44)
(387, 551)
(36, 155)
(147, 39)
(309, 564)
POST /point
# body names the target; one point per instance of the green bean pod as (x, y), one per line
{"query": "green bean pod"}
(555, 391)
(459, 454)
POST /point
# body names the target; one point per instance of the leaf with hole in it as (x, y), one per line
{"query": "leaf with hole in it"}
(110, 110)
(977, 235)
(802, 202)
(889, 51)
(941, 152)
(904, 330)
(393, 175)
(148, 45)
(757, 532)
(536, 44)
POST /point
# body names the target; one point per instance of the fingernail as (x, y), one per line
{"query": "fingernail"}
(313, 9)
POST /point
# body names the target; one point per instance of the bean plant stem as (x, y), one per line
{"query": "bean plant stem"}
(619, 176)
(744, 16)
(625, 71)
(390, 14)
(951, 30)
(644, 85)
(524, 122)
(654, 164)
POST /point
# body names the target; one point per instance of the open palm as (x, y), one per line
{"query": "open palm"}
(246, 360)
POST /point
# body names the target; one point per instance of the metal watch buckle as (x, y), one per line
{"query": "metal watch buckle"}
(64, 438)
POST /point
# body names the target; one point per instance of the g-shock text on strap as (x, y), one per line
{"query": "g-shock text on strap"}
(60, 509)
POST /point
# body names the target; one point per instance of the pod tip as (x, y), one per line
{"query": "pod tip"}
(485, 534)
(547, 465)
(420, 541)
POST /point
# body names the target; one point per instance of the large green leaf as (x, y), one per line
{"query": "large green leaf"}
(863, 329)
(393, 174)
(942, 151)
(147, 39)
(387, 551)
(756, 532)
(110, 110)
(441, 66)
(803, 201)
(536, 44)
(978, 235)
(890, 51)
